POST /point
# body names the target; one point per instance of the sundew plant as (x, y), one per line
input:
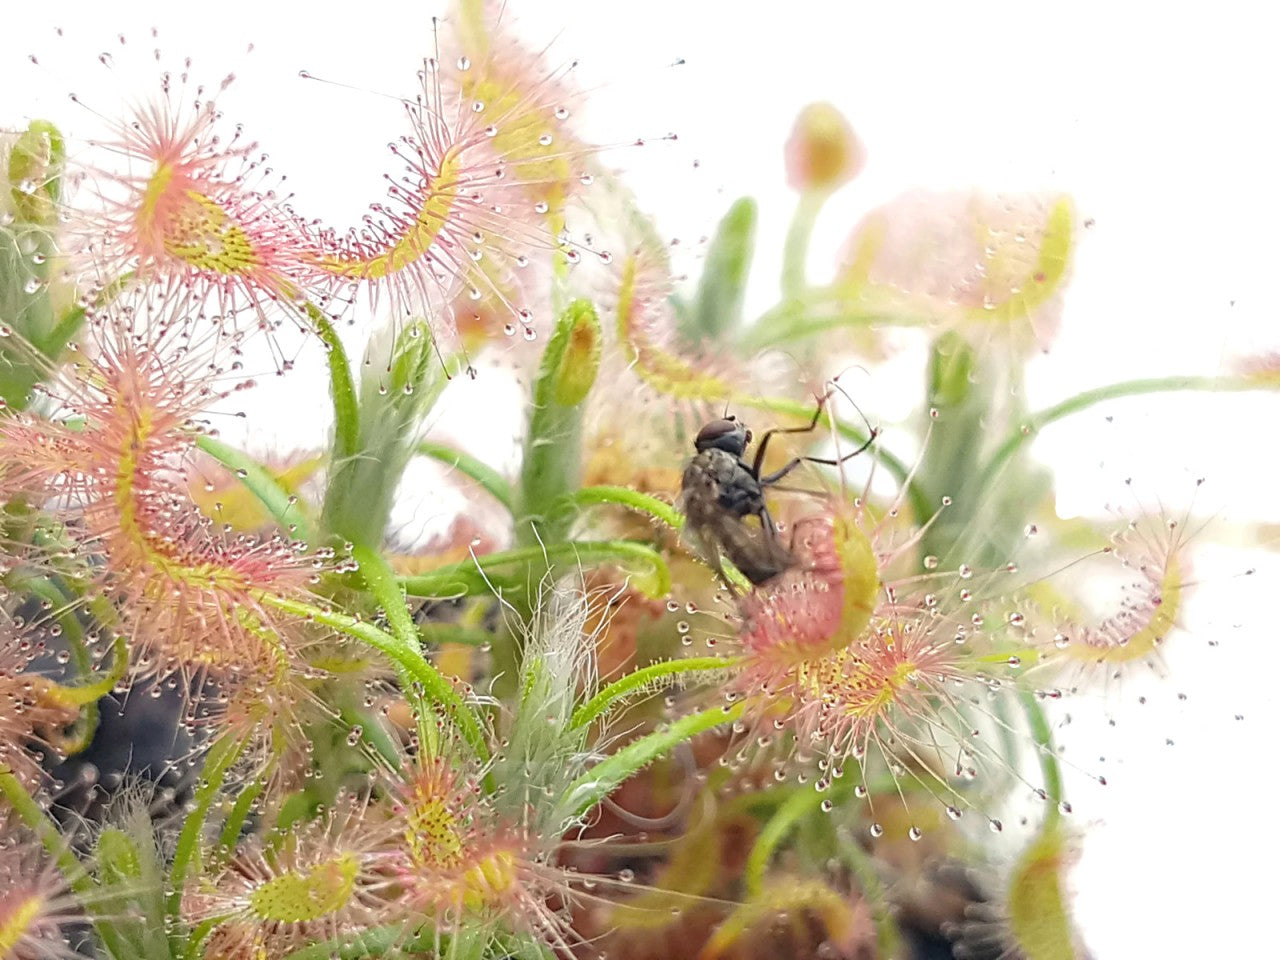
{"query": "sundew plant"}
(727, 661)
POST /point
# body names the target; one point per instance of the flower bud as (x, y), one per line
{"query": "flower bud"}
(34, 172)
(823, 152)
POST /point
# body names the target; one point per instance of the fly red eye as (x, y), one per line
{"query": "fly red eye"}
(727, 434)
(714, 431)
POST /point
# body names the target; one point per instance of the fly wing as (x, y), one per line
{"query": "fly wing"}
(717, 532)
(699, 493)
(755, 551)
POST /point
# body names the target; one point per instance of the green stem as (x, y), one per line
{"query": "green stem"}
(626, 497)
(346, 410)
(795, 250)
(601, 780)
(222, 754)
(62, 610)
(794, 809)
(83, 695)
(438, 633)
(53, 343)
(283, 507)
(373, 733)
(1032, 426)
(66, 328)
(234, 824)
(407, 656)
(381, 581)
(873, 890)
(46, 831)
(75, 875)
(481, 574)
(814, 311)
(489, 479)
(640, 680)
(1049, 771)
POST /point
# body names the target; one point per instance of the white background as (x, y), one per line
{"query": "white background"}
(1161, 124)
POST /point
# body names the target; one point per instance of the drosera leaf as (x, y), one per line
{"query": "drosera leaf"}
(642, 307)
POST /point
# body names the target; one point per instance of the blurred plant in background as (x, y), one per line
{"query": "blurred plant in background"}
(792, 729)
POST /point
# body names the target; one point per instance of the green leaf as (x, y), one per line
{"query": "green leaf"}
(403, 380)
(1039, 917)
(717, 306)
(960, 396)
(489, 479)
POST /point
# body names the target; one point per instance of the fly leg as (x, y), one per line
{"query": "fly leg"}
(764, 441)
(772, 478)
